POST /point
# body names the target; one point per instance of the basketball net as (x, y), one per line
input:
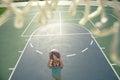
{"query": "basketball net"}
(46, 13)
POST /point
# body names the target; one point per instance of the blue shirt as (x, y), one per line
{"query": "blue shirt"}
(56, 72)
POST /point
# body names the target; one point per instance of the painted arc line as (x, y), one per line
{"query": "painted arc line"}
(45, 56)
(38, 51)
(11, 69)
(84, 50)
(70, 55)
(31, 45)
(91, 42)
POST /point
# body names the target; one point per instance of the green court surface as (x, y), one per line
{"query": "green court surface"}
(12, 40)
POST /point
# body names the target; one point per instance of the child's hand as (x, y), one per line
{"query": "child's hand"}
(50, 63)
(61, 65)
(49, 66)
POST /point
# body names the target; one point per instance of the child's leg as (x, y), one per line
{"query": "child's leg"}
(58, 79)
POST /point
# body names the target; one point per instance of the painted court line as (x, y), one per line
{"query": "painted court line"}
(105, 55)
(107, 59)
(70, 55)
(20, 51)
(92, 23)
(31, 45)
(11, 69)
(56, 35)
(73, 55)
(39, 52)
(91, 42)
(60, 23)
(26, 39)
(29, 24)
(18, 61)
(114, 17)
(47, 35)
(102, 48)
(114, 64)
(84, 50)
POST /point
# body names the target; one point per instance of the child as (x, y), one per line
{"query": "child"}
(55, 64)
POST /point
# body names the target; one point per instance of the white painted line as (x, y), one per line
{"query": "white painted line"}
(102, 48)
(11, 69)
(20, 51)
(114, 64)
(104, 55)
(60, 22)
(84, 50)
(56, 35)
(91, 42)
(31, 45)
(33, 35)
(70, 55)
(92, 23)
(18, 61)
(29, 24)
(106, 58)
(26, 39)
(114, 17)
(39, 52)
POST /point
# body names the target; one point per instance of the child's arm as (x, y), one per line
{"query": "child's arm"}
(61, 63)
(50, 63)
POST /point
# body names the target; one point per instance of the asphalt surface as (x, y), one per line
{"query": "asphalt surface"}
(82, 57)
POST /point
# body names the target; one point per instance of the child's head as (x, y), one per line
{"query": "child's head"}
(55, 58)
